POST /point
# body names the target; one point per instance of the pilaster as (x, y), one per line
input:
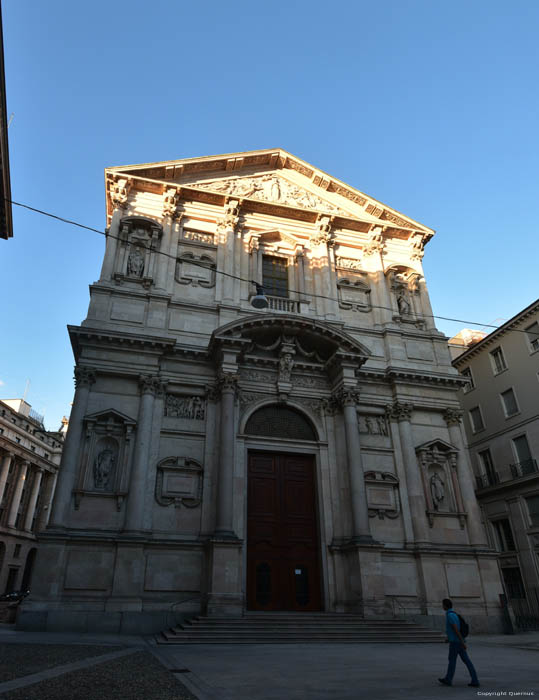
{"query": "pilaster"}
(84, 379)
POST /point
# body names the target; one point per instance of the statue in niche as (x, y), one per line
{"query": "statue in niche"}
(285, 367)
(403, 303)
(103, 465)
(135, 263)
(382, 427)
(437, 490)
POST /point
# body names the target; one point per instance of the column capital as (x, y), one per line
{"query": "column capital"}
(84, 377)
(119, 192)
(170, 203)
(151, 385)
(453, 416)
(399, 411)
(375, 243)
(323, 233)
(231, 216)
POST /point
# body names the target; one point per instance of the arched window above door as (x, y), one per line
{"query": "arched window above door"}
(280, 422)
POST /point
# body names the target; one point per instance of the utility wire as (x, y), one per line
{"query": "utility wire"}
(243, 279)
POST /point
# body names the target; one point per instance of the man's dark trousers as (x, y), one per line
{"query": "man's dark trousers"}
(456, 649)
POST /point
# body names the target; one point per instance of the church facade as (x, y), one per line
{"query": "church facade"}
(221, 458)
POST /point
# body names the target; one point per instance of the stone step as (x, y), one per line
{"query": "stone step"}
(289, 628)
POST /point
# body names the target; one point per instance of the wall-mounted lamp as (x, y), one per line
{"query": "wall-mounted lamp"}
(259, 301)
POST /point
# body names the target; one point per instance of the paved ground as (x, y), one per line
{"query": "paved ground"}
(94, 667)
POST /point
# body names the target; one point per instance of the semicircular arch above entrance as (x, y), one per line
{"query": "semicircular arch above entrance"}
(277, 421)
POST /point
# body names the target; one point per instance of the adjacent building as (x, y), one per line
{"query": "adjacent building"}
(29, 461)
(307, 456)
(501, 405)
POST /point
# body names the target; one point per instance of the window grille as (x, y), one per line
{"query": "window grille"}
(281, 422)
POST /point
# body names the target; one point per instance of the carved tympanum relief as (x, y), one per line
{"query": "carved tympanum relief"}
(179, 482)
(271, 188)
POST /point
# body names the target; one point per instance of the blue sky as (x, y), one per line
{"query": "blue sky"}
(430, 107)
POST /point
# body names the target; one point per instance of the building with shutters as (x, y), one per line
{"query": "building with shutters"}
(29, 460)
(501, 406)
(307, 456)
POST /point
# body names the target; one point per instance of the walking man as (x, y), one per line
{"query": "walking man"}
(457, 647)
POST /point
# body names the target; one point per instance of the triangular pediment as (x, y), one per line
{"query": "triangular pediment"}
(109, 414)
(272, 177)
(436, 445)
(277, 236)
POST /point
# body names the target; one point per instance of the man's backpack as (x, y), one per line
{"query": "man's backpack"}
(464, 626)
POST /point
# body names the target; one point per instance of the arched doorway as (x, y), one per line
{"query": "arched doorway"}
(283, 559)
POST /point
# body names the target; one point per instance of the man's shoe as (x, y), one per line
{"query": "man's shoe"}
(443, 681)
(474, 685)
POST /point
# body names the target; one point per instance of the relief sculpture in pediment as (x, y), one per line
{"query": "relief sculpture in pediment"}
(270, 188)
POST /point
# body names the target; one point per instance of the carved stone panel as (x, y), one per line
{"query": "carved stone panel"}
(197, 270)
(179, 482)
(189, 407)
(382, 494)
(373, 425)
(193, 236)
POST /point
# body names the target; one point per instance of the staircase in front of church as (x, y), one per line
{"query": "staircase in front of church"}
(296, 628)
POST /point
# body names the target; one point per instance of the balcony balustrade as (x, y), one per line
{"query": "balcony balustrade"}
(290, 306)
(515, 471)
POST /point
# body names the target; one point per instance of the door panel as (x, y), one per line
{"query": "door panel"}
(283, 570)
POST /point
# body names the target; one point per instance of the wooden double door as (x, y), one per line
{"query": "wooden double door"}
(283, 568)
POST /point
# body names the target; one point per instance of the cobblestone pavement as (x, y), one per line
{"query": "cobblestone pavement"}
(61, 672)
(18, 660)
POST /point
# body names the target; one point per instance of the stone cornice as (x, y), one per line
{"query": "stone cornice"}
(80, 335)
(497, 333)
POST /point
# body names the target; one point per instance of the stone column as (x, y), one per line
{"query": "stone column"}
(17, 494)
(226, 231)
(33, 500)
(224, 527)
(107, 269)
(134, 516)
(402, 412)
(46, 500)
(476, 532)
(6, 464)
(347, 398)
(84, 378)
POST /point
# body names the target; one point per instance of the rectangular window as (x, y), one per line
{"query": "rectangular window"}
(476, 419)
(526, 464)
(498, 361)
(467, 374)
(487, 467)
(509, 402)
(533, 336)
(275, 276)
(17, 551)
(504, 535)
(533, 509)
